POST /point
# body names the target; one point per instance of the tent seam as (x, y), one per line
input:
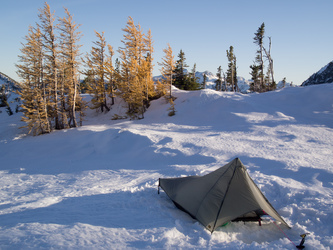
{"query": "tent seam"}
(218, 214)
(209, 192)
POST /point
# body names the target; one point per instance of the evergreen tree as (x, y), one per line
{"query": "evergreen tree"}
(3, 96)
(255, 86)
(262, 83)
(284, 81)
(270, 82)
(180, 76)
(259, 41)
(182, 79)
(4, 100)
(192, 80)
(232, 70)
(218, 81)
(204, 81)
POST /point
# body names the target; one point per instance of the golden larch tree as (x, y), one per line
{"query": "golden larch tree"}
(50, 64)
(164, 86)
(70, 52)
(32, 88)
(96, 72)
(135, 78)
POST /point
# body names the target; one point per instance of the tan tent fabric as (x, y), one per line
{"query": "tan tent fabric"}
(223, 195)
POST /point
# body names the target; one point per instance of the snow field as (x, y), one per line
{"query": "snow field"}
(95, 187)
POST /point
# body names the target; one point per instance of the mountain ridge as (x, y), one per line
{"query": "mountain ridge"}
(324, 75)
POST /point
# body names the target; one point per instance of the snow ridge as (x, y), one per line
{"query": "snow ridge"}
(324, 75)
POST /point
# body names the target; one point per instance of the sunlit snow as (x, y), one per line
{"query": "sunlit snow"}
(95, 187)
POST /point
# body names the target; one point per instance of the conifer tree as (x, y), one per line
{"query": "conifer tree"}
(284, 81)
(149, 66)
(130, 86)
(164, 87)
(70, 36)
(218, 81)
(96, 71)
(204, 81)
(270, 71)
(50, 63)
(255, 86)
(135, 76)
(192, 80)
(180, 76)
(261, 82)
(259, 41)
(32, 88)
(111, 75)
(49, 69)
(3, 96)
(232, 69)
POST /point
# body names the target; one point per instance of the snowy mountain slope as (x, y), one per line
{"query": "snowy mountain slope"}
(96, 186)
(4, 79)
(324, 75)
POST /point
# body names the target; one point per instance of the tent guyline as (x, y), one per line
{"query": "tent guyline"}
(224, 195)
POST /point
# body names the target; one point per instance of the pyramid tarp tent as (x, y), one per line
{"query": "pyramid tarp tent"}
(223, 195)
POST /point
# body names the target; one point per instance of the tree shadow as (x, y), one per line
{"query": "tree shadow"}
(85, 150)
(138, 210)
(302, 175)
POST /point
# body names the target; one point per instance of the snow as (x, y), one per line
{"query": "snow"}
(323, 68)
(95, 187)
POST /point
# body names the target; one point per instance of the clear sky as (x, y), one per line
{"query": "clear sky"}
(301, 30)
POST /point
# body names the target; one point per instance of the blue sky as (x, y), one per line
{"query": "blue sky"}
(301, 30)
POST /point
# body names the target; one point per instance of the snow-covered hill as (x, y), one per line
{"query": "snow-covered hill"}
(95, 187)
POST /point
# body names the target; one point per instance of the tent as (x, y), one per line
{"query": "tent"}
(224, 195)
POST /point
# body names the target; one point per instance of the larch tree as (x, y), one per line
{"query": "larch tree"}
(50, 53)
(136, 69)
(149, 66)
(164, 86)
(96, 71)
(32, 88)
(48, 65)
(70, 52)
(130, 87)
(111, 75)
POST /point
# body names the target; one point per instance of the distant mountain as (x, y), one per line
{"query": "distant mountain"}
(325, 75)
(243, 84)
(8, 81)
